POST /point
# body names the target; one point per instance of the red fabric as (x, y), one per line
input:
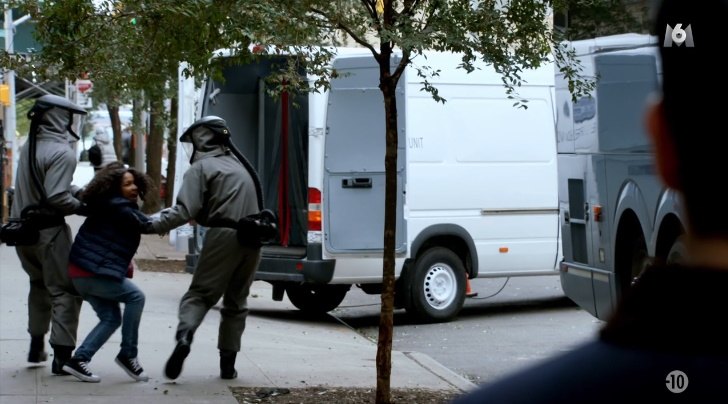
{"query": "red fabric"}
(75, 271)
(130, 270)
(284, 214)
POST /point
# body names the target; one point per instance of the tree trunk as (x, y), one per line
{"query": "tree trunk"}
(171, 154)
(386, 322)
(154, 151)
(116, 128)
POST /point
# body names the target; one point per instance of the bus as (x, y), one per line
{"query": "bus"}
(616, 216)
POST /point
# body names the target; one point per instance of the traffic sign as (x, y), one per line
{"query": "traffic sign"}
(83, 86)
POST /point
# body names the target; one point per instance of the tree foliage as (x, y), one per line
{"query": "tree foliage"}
(581, 19)
(511, 36)
(124, 47)
(137, 46)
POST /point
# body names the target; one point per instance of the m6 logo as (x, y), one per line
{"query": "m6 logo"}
(678, 36)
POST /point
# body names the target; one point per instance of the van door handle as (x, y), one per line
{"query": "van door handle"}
(361, 182)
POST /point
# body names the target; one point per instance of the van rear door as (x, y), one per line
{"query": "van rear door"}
(354, 176)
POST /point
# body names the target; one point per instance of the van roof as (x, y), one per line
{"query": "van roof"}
(448, 65)
(612, 43)
(447, 62)
(340, 51)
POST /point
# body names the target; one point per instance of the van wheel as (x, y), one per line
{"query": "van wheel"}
(316, 298)
(437, 288)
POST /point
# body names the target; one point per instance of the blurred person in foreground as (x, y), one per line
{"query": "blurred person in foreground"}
(665, 341)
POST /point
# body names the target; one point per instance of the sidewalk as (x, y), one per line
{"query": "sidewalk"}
(279, 348)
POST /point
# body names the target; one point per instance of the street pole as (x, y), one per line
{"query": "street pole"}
(10, 122)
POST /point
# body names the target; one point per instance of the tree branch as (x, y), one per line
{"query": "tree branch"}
(410, 6)
(369, 6)
(348, 30)
(426, 28)
(402, 65)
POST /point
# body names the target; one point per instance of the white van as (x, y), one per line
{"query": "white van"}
(477, 180)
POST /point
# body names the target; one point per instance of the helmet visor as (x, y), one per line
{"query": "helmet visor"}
(187, 148)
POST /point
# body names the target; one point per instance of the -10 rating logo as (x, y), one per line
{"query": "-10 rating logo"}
(676, 381)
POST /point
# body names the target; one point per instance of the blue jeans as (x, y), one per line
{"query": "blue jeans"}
(105, 294)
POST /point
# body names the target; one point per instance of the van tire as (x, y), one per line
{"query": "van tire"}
(311, 298)
(437, 286)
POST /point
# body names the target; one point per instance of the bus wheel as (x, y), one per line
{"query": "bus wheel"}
(316, 298)
(640, 259)
(437, 288)
(677, 252)
(631, 262)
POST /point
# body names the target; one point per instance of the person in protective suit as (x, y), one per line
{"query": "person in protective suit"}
(102, 153)
(52, 300)
(218, 188)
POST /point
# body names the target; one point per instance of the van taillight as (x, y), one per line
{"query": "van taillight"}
(314, 209)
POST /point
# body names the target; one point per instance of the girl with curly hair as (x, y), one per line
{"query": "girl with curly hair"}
(100, 264)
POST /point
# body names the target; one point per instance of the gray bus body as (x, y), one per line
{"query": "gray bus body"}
(615, 214)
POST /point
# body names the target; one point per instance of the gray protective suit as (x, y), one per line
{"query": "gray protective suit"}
(52, 298)
(215, 188)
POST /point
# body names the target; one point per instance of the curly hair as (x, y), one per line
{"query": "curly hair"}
(106, 184)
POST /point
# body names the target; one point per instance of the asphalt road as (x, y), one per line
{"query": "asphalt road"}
(506, 327)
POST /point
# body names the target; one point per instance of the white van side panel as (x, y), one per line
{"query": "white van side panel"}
(489, 167)
(480, 163)
(361, 268)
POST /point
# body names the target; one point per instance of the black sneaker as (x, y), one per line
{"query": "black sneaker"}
(81, 370)
(132, 367)
(174, 364)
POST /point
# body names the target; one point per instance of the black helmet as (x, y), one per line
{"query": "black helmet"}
(214, 133)
(212, 122)
(49, 101)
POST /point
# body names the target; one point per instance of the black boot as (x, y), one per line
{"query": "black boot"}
(227, 364)
(61, 355)
(173, 368)
(37, 351)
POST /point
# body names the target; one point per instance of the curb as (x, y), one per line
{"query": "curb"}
(427, 363)
(441, 371)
